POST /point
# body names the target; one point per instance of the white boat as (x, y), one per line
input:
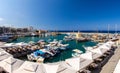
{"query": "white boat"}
(47, 51)
(57, 45)
(33, 34)
(39, 55)
(63, 46)
(7, 37)
(76, 53)
(40, 60)
(54, 42)
(88, 48)
(69, 37)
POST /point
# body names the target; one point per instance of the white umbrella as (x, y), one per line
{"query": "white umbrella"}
(9, 44)
(87, 59)
(29, 67)
(1, 49)
(104, 46)
(4, 55)
(11, 64)
(110, 42)
(107, 45)
(21, 44)
(88, 48)
(81, 62)
(2, 43)
(51, 68)
(96, 53)
(65, 68)
(74, 63)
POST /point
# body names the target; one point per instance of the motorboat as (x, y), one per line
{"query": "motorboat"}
(69, 37)
(62, 46)
(38, 54)
(87, 48)
(32, 57)
(79, 38)
(33, 34)
(76, 52)
(82, 39)
(57, 44)
(7, 37)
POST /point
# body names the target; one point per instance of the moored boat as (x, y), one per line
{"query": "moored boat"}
(76, 52)
(69, 37)
(80, 38)
(7, 37)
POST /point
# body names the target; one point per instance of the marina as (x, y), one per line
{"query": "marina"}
(60, 56)
(89, 61)
(59, 36)
(64, 48)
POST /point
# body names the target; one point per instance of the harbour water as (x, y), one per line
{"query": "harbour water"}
(64, 54)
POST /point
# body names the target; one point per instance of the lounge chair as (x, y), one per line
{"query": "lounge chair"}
(92, 66)
(84, 71)
(108, 53)
(103, 56)
(98, 60)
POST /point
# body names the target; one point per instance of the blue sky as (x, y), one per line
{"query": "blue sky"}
(61, 14)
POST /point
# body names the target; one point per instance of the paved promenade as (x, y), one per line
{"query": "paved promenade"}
(112, 62)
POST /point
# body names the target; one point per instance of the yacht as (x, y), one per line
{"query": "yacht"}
(62, 46)
(33, 34)
(76, 52)
(80, 38)
(69, 37)
(87, 48)
(7, 37)
(39, 54)
(58, 44)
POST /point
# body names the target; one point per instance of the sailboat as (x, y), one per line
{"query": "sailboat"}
(115, 38)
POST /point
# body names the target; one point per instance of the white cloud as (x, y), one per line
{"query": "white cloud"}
(1, 19)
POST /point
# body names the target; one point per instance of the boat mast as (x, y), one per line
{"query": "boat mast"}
(108, 30)
(78, 29)
(97, 30)
(73, 31)
(97, 33)
(10, 28)
(3, 29)
(115, 28)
